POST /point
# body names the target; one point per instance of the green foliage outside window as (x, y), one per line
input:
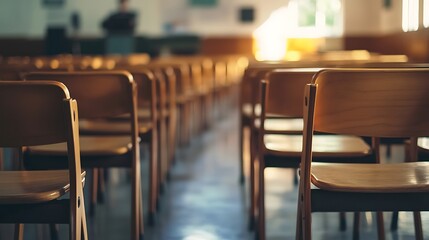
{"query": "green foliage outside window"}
(203, 2)
(328, 12)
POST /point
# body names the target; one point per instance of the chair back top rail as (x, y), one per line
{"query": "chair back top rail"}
(32, 113)
(372, 102)
(286, 91)
(100, 94)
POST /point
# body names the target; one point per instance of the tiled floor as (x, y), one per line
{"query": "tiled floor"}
(204, 201)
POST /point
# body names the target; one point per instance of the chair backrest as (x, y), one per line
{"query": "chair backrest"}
(34, 113)
(285, 91)
(100, 94)
(37, 113)
(365, 102)
(167, 76)
(372, 102)
(146, 85)
(249, 93)
(161, 89)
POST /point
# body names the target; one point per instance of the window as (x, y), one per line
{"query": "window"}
(299, 19)
(317, 18)
(426, 13)
(410, 15)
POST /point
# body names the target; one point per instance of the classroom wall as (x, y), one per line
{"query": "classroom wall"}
(372, 17)
(368, 24)
(23, 18)
(29, 18)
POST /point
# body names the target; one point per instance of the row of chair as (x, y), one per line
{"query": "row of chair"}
(273, 110)
(135, 104)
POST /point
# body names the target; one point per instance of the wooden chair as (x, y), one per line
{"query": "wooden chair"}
(250, 105)
(166, 107)
(248, 109)
(35, 113)
(365, 102)
(171, 74)
(157, 105)
(249, 98)
(101, 95)
(280, 139)
(160, 113)
(148, 131)
(183, 94)
(249, 101)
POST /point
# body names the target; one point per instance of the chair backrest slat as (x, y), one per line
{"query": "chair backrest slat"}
(373, 102)
(286, 91)
(99, 94)
(32, 113)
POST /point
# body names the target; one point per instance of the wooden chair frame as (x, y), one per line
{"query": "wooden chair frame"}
(53, 118)
(288, 93)
(384, 103)
(122, 101)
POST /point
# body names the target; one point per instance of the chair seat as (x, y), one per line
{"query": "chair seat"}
(89, 146)
(282, 125)
(398, 177)
(323, 145)
(18, 187)
(112, 127)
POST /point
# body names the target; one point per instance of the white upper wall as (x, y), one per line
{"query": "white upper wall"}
(370, 17)
(24, 18)
(224, 18)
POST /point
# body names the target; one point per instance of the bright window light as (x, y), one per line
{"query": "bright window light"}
(426, 13)
(410, 15)
(297, 19)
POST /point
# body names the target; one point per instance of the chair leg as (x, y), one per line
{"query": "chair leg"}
(261, 202)
(172, 141)
(53, 230)
(343, 222)
(253, 181)
(19, 231)
(303, 223)
(135, 199)
(162, 167)
(241, 144)
(418, 225)
(75, 225)
(141, 226)
(380, 226)
(94, 192)
(153, 185)
(356, 225)
(102, 185)
(394, 222)
(298, 232)
(305, 212)
(83, 217)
